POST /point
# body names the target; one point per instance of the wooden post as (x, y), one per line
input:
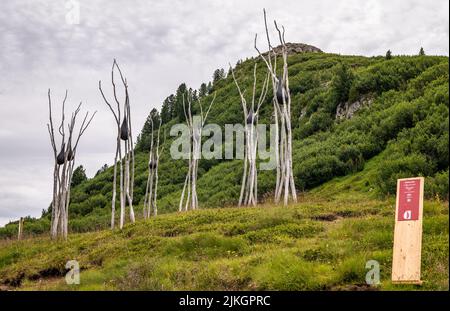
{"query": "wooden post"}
(20, 233)
(408, 231)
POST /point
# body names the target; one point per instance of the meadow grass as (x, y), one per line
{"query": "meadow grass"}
(320, 243)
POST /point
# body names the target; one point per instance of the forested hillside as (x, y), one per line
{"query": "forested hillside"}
(346, 110)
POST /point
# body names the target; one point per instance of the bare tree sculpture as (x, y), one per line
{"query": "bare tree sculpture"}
(126, 163)
(151, 190)
(195, 125)
(282, 114)
(64, 164)
(249, 186)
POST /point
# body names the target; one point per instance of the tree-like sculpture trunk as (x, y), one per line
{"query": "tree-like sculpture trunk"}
(124, 160)
(151, 190)
(64, 164)
(195, 125)
(249, 191)
(285, 185)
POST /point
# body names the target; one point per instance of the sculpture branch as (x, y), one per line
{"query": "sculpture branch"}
(282, 112)
(124, 133)
(189, 201)
(249, 193)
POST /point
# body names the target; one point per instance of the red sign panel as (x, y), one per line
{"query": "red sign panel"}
(409, 200)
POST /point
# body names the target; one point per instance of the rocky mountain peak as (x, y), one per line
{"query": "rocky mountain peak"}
(295, 48)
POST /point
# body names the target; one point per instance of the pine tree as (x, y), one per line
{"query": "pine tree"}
(209, 87)
(218, 75)
(229, 72)
(342, 82)
(388, 54)
(203, 91)
(421, 52)
(195, 96)
(79, 175)
(102, 169)
(167, 109)
(145, 137)
(178, 103)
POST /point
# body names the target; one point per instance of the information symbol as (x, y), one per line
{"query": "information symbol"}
(407, 215)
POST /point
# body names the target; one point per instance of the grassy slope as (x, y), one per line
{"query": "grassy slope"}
(323, 242)
(408, 117)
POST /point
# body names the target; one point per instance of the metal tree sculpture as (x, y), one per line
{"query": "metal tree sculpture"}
(249, 186)
(126, 163)
(151, 190)
(282, 112)
(64, 164)
(195, 143)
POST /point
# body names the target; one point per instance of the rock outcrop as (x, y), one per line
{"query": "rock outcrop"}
(347, 110)
(295, 48)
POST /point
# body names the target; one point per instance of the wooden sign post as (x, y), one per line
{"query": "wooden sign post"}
(19, 234)
(408, 231)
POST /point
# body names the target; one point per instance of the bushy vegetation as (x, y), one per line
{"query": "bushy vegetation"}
(404, 127)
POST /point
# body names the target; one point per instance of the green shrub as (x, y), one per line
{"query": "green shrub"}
(437, 186)
(206, 245)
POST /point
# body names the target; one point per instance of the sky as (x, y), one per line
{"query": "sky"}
(69, 44)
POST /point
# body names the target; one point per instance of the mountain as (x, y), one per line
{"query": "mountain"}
(375, 118)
